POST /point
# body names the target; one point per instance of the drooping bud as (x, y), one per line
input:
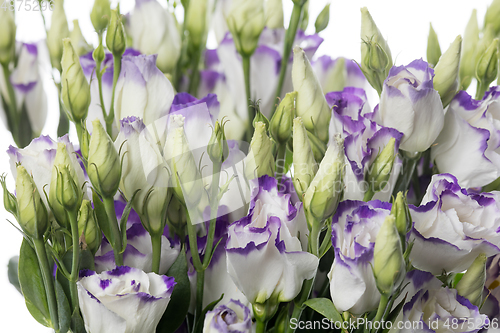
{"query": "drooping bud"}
(487, 66)
(100, 14)
(260, 160)
(196, 21)
(491, 17)
(304, 164)
(433, 48)
(75, 88)
(388, 261)
(274, 14)
(446, 72)
(245, 21)
(323, 19)
(57, 32)
(32, 214)
(7, 37)
(281, 122)
(104, 167)
(88, 227)
(472, 283)
(115, 36)
(77, 40)
(218, 149)
(311, 104)
(380, 170)
(325, 190)
(9, 200)
(468, 63)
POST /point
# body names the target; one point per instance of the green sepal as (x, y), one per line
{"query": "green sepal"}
(324, 307)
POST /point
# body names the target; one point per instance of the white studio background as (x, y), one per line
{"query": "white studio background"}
(404, 23)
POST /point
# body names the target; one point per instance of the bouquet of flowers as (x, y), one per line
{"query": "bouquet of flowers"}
(251, 187)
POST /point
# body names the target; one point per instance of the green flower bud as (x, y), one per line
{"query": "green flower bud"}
(99, 55)
(325, 191)
(32, 214)
(336, 79)
(446, 72)
(196, 21)
(487, 67)
(281, 122)
(104, 165)
(388, 261)
(7, 37)
(176, 216)
(9, 200)
(218, 149)
(491, 17)
(259, 117)
(274, 13)
(370, 32)
(304, 164)
(323, 19)
(433, 48)
(57, 32)
(304, 20)
(68, 194)
(88, 227)
(318, 147)
(100, 14)
(468, 62)
(472, 283)
(75, 88)
(380, 170)
(245, 21)
(483, 44)
(115, 36)
(260, 160)
(400, 212)
(84, 144)
(77, 40)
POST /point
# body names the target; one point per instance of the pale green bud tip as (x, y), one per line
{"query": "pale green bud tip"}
(87, 227)
(446, 72)
(8, 36)
(381, 168)
(399, 210)
(217, 149)
(323, 19)
(196, 21)
(304, 164)
(9, 200)
(260, 160)
(472, 283)
(281, 122)
(115, 36)
(259, 117)
(487, 67)
(492, 14)
(433, 48)
(78, 40)
(100, 15)
(388, 262)
(67, 192)
(274, 14)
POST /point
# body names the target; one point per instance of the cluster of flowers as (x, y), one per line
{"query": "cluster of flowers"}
(166, 219)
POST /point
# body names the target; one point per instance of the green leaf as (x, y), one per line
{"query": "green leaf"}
(12, 272)
(32, 287)
(324, 307)
(77, 325)
(395, 313)
(100, 213)
(178, 306)
(63, 310)
(124, 219)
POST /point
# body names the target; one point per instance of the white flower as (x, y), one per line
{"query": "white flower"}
(231, 317)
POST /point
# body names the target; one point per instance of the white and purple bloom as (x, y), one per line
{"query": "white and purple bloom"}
(231, 317)
(265, 256)
(452, 227)
(410, 104)
(355, 226)
(469, 144)
(123, 300)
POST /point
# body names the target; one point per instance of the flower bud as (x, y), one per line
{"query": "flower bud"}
(245, 21)
(9, 200)
(400, 212)
(318, 147)
(218, 149)
(104, 167)
(84, 144)
(281, 122)
(196, 21)
(304, 164)
(304, 19)
(99, 55)
(32, 214)
(468, 63)
(68, 194)
(88, 227)
(259, 117)
(325, 191)
(57, 32)
(472, 283)
(446, 72)
(7, 37)
(115, 36)
(100, 14)
(370, 32)
(176, 216)
(388, 261)
(375, 64)
(77, 40)
(323, 19)
(492, 14)
(433, 48)
(311, 104)
(274, 14)
(380, 170)
(260, 160)
(483, 44)
(336, 78)
(487, 67)
(75, 88)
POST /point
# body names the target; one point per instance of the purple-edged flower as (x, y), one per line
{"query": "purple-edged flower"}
(123, 300)
(231, 317)
(452, 227)
(265, 256)
(354, 229)
(433, 308)
(333, 78)
(468, 144)
(410, 104)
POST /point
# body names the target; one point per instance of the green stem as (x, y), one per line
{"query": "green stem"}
(47, 280)
(246, 73)
(195, 72)
(156, 242)
(368, 195)
(76, 258)
(214, 205)
(193, 244)
(117, 66)
(260, 326)
(409, 165)
(314, 237)
(200, 280)
(116, 241)
(288, 45)
(481, 89)
(297, 307)
(12, 107)
(280, 162)
(381, 308)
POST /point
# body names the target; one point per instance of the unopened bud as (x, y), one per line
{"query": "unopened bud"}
(304, 19)
(246, 20)
(370, 32)
(115, 36)
(196, 21)
(281, 122)
(318, 147)
(67, 192)
(487, 67)
(88, 227)
(99, 55)
(400, 212)
(9, 200)
(323, 19)
(260, 160)
(100, 14)
(468, 62)
(336, 77)
(492, 14)
(380, 170)
(304, 164)
(433, 48)
(7, 37)
(472, 283)
(57, 32)
(218, 149)
(79, 43)
(446, 72)
(274, 13)
(259, 116)
(84, 144)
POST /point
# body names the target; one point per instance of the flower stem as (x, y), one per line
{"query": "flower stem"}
(156, 242)
(214, 205)
(200, 281)
(246, 73)
(298, 304)
(117, 66)
(195, 73)
(480, 90)
(47, 280)
(116, 241)
(260, 326)
(280, 162)
(381, 309)
(409, 165)
(76, 258)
